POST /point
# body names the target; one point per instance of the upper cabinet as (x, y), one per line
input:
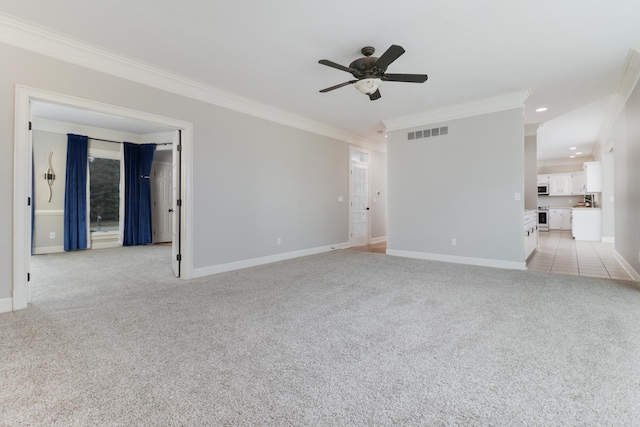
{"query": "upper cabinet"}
(577, 183)
(560, 185)
(593, 177)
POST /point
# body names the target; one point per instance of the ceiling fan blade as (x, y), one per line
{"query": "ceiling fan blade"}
(350, 82)
(375, 95)
(410, 78)
(389, 56)
(334, 65)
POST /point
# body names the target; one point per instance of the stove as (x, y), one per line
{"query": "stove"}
(543, 218)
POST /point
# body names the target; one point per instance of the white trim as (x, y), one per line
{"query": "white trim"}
(221, 268)
(608, 239)
(157, 138)
(531, 129)
(49, 212)
(22, 177)
(375, 240)
(26, 35)
(626, 84)
(627, 267)
(43, 250)
(6, 305)
(512, 265)
(475, 108)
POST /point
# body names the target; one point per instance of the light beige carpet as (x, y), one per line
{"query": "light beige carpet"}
(341, 338)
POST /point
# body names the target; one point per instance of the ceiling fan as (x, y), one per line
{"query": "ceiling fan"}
(370, 71)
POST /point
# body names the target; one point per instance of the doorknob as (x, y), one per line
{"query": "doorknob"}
(170, 210)
(367, 208)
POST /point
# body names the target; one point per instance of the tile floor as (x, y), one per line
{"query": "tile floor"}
(559, 253)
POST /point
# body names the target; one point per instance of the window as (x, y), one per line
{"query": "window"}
(104, 194)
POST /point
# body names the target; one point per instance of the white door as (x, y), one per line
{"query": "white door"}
(162, 203)
(359, 205)
(176, 202)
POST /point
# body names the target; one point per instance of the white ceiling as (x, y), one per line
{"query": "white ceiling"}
(569, 53)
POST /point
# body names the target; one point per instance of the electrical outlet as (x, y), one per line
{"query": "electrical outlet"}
(453, 242)
(52, 235)
(278, 241)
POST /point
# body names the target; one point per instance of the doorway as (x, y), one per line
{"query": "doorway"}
(358, 197)
(23, 173)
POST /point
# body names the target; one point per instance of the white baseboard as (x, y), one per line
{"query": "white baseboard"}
(627, 267)
(6, 305)
(48, 250)
(221, 268)
(375, 240)
(608, 239)
(512, 265)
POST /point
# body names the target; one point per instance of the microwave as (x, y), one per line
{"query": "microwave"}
(543, 189)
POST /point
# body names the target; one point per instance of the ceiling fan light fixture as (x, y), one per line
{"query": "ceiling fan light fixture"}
(368, 86)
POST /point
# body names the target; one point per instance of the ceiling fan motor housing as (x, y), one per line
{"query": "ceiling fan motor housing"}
(366, 68)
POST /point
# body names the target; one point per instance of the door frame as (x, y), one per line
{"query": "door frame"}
(22, 176)
(353, 148)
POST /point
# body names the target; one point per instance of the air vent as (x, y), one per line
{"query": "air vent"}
(427, 133)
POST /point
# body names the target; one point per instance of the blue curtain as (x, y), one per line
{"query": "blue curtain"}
(75, 193)
(137, 193)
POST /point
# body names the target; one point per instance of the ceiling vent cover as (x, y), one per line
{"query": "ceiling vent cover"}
(427, 133)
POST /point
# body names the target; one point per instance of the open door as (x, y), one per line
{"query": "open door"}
(359, 198)
(176, 210)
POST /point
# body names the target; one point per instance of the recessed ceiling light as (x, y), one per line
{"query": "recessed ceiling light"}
(541, 109)
(573, 148)
(578, 153)
(572, 157)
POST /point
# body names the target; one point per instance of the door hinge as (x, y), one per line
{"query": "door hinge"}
(28, 201)
(28, 277)
(179, 257)
(179, 202)
(179, 147)
(30, 125)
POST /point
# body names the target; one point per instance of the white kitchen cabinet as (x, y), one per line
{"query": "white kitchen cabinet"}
(566, 219)
(559, 219)
(577, 183)
(543, 179)
(593, 177)
(530, 232)
(560, 185)
(587, 224)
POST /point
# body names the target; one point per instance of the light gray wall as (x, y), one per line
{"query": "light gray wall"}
(378, 202)
(459, 186)
(254, 180)
(531, 172)
(607, 204)
(626, 153)
(48, 215)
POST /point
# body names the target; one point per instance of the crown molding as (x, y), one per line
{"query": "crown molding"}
(485, 106)
(26, 35)
(626, 84)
